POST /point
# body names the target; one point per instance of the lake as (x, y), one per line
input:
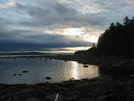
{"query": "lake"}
(38, 69)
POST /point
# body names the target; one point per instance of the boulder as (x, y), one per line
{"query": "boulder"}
(16, 99)
(51, 97)
(116, 65)
(48, 78)
(101, 98)
(25, 71)
(85, 99)
(72, 98)
(32, 99)
(14, 74)
(85, 66)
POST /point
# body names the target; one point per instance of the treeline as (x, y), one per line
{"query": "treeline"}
(117, 40)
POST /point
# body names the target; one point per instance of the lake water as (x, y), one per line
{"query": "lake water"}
(39, 69)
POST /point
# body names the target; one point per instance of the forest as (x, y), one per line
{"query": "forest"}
(117, 40)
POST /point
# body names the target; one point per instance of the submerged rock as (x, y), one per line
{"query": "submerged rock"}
(20, 74)
(14, 74)
(48, 78)
(25, 71)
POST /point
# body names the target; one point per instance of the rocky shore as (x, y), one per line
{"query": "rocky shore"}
(115, 66)
(115, 89)
(118, 87)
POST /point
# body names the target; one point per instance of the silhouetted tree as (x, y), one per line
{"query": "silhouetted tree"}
(126, 20)
(117, 40)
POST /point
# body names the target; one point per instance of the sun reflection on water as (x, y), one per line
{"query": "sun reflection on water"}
(79, 72)
(75, 73)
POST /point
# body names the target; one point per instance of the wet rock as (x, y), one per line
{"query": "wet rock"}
(25, 90)
(47, 82)
(14, 74)
(131, 75)
(51, 97)
(15, 99)
(48, 78)
(61, 98)
(25, 71)
(32, 99)
(84, 99)
(72, 98)
(20, 74)
(101, 98)
(85, 66)
(116, 65)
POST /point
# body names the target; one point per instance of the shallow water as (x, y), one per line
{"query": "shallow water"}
(39, 69)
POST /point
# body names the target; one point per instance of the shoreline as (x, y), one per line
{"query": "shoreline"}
(74, 90)
(118, 87)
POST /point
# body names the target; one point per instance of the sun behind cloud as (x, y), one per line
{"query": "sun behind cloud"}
(72, 31)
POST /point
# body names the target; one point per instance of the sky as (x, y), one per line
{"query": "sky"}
(55, 26)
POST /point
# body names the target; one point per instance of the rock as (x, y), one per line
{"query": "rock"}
(61, 98)
(101, 98)
(47, 82)
(48, 78)
(131, 75)
(84, 99)
(25, 90)
(16, 99)
(25, 71)
(116, 65)
(51, 97)
(85, 66)
(32, 99)
(72, 98)
(14, 74)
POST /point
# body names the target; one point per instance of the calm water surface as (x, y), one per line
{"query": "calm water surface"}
(39, 69)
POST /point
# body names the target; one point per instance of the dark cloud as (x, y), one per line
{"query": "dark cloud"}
(7, 45)
(15, 40)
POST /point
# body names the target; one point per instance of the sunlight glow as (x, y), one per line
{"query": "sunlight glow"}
(68, 32)
(78, 33)
(77, 48)
(72, 31)
(62, 50)
(92, 39)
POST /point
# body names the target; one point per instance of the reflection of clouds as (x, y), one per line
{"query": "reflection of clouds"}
(75, 73)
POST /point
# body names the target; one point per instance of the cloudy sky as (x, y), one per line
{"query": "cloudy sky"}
(57, 25)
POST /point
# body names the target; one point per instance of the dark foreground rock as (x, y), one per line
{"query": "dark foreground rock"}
(109, 89)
